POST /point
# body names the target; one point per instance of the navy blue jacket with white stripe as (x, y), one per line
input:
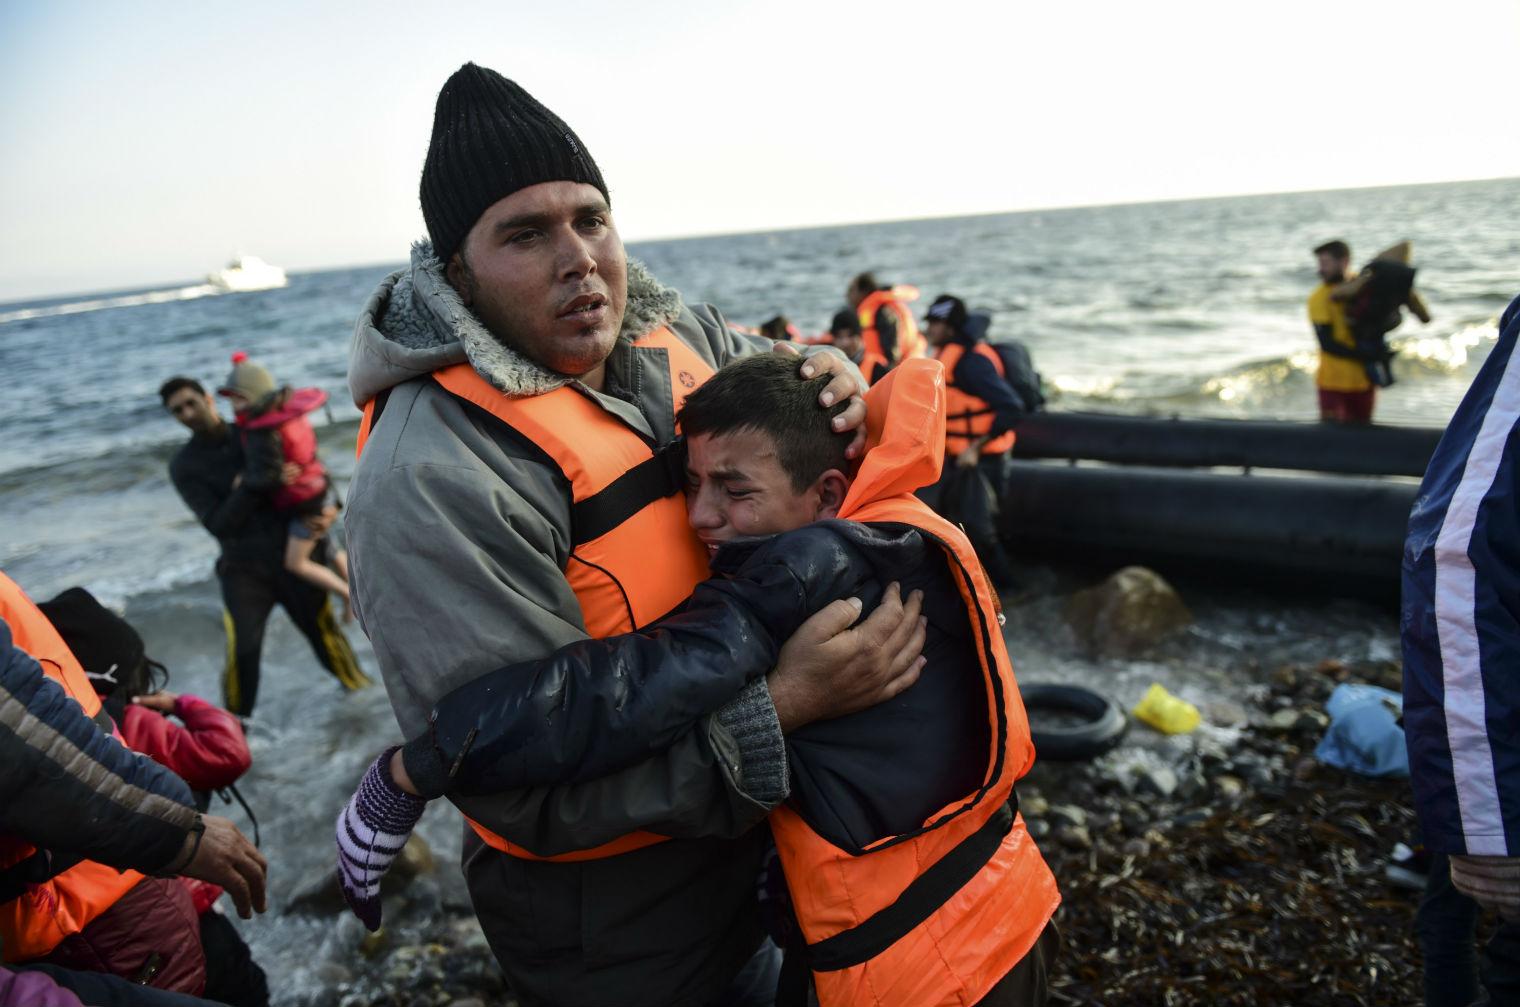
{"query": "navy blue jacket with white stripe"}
(1461, 619)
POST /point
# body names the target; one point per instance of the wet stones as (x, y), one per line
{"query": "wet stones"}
(1298, 720)
(415, 858)
(1067, 815)
(1229, 788)
(1126, 615)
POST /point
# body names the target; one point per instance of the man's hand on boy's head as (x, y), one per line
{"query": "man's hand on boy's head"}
(827, 669)
(846, 383)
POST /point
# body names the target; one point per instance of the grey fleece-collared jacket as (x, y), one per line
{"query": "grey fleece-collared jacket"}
(459, 534)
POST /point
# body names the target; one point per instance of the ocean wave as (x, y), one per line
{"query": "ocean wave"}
(1443, 354)
(121, 465)
(1251, 380)
(190, 575)
(1087, 387)
(103, 303)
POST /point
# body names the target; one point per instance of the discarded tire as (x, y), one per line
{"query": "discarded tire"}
(1089, 723)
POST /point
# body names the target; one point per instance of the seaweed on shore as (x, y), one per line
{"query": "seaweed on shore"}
(1279, 900)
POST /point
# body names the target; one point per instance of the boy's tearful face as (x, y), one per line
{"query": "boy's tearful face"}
(735, 487)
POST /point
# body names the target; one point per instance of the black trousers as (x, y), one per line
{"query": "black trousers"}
(978, 520)
(232, 976)
(1446, 925)
(248, 595)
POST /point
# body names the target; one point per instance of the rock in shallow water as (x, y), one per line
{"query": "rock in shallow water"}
(1127, 614)
(415, 858)
(317, 894)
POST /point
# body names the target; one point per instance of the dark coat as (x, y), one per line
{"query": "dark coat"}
(598, 705)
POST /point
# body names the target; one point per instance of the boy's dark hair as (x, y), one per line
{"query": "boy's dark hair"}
(764, 393)
(847, 320)
(176, 383)
(1337, 248)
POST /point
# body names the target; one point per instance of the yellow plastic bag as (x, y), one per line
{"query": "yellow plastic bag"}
(1165, 712)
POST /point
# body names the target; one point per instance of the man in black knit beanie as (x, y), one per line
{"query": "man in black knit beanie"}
(519, 489)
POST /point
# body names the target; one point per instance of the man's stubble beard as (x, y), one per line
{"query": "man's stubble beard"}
(500, 329)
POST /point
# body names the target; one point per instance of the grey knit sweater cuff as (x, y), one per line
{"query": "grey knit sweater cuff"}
(750, 718)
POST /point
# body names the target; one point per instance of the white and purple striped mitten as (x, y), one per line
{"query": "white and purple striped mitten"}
(372, 829)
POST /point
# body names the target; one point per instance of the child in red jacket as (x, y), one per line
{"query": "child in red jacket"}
(278, 438)
(206, 749)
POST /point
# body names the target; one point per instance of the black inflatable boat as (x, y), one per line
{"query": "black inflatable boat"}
(1316, 508)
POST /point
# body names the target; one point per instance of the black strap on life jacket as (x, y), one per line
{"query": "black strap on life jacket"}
(42, 865)
(657, 477)
(919, 900)
(378, 408)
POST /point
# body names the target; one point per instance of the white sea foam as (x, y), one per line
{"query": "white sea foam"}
(102, 303)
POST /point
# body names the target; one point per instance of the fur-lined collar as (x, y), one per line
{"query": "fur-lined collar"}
(417, 318)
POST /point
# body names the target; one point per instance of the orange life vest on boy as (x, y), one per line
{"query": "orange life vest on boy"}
(966, 416)
(910, 342)
(37, 921)
(633, 556)
(940, 915)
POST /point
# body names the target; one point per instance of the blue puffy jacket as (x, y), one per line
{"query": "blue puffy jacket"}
(1461, 620)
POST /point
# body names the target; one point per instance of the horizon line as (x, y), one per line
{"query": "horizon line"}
(827, 225)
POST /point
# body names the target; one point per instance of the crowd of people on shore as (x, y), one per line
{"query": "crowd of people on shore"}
(698, 628)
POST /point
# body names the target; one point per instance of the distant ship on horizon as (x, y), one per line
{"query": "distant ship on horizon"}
(245, 273)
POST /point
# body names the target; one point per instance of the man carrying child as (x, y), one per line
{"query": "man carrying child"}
(210, 472)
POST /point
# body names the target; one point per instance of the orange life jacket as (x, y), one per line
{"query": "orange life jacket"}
(35, 922)
(633, 556)
(940, 915)
(966, 416)
(910, 342)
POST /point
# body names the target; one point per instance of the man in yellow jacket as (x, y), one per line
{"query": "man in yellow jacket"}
(1345, 392)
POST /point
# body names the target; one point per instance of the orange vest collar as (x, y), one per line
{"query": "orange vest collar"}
(905, 434)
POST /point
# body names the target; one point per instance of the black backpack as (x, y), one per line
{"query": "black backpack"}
(1019, 372)
(1375, 311)
(1018, 365)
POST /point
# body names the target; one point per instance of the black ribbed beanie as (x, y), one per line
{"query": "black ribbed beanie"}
(490, 139)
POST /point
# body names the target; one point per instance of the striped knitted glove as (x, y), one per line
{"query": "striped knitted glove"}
(372, 829)
(1492, 882)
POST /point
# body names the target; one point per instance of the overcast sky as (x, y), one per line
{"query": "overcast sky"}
(149, 142)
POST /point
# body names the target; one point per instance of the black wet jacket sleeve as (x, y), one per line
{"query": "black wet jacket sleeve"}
(886, 332)
(1327, 343)
(975, 375)
(597, 706)
(222, 513)
(68, 787)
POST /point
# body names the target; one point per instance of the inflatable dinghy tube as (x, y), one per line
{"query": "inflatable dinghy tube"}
(1381, 449)
(1100, 725)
